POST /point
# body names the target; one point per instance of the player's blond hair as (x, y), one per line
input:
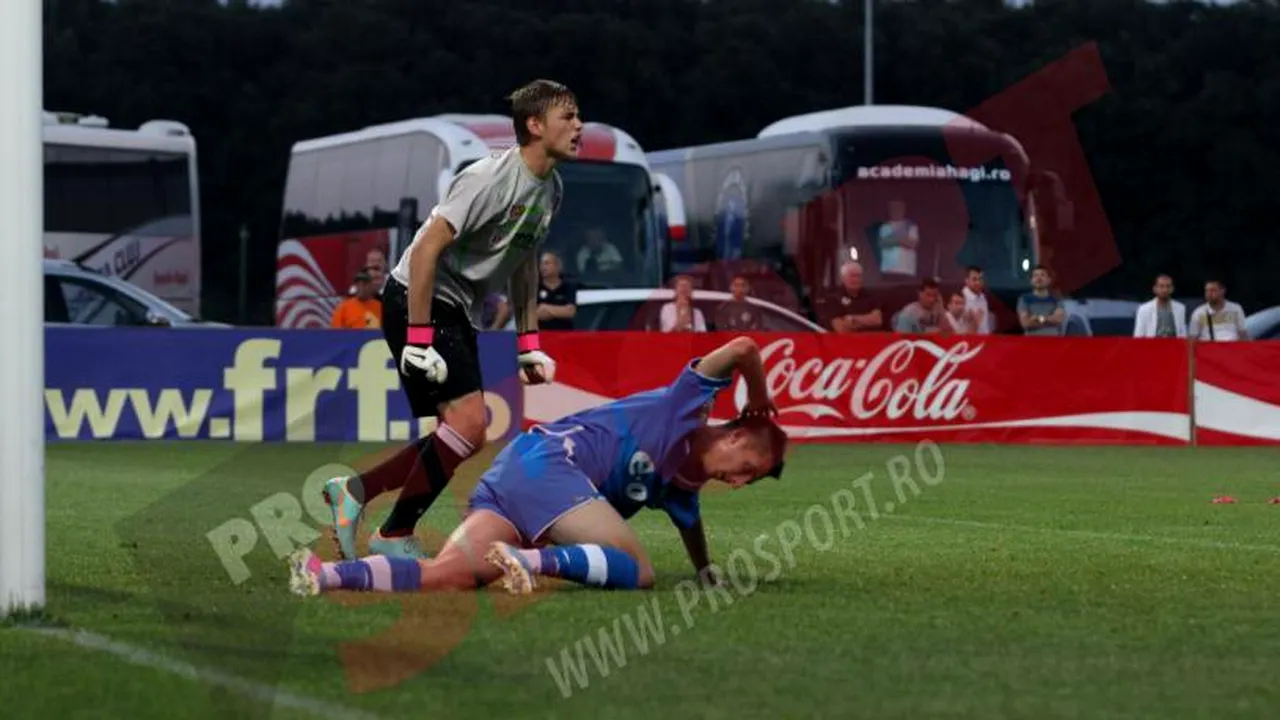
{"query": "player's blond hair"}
(533, 100)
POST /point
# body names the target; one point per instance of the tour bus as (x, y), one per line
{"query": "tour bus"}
(354, 192)
(813, 191)
(125, 202)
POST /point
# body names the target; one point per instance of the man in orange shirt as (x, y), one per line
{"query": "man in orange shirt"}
(362, 311)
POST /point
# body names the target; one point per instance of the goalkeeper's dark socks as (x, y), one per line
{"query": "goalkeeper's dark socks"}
(595, 565)
(377, 573)
(391, 474)
(441, 453)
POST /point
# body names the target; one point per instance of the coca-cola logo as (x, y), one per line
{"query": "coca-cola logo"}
(887, 385)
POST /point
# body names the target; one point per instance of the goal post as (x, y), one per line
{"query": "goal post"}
(22, 514)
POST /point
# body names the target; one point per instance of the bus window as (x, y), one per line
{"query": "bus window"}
(605, 230)
(357, 200)
(423, 174)
(329, 182)
(390, 173)
(106, 191)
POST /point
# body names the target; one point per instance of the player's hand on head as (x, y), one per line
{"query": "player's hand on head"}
(759, 408)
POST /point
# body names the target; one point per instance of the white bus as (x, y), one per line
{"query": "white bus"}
(125, 202)
(812, 191)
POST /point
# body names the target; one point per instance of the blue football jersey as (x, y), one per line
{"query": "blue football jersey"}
(632, 447)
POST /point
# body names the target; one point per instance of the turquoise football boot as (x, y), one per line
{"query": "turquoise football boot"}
(346, 515)
(397, 547)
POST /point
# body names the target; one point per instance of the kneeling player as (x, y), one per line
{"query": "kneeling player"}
(556, 499)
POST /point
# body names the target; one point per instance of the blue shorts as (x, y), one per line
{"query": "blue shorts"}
(532, 485)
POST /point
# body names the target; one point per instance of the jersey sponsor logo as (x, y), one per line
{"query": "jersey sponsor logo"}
(637, 491)
(526, 225)
(908, 378)
(640, 467)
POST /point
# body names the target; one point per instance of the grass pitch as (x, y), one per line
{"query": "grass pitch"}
(1016, 583)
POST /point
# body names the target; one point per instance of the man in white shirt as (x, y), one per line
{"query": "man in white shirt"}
(1218, 319)
(977, 314)
(956, 319)
(1161, 316)
(680, 315)
(598, 256)
(899, 238)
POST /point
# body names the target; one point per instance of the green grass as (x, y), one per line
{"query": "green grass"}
(1028, 583)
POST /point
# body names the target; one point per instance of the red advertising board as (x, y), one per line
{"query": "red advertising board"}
(884, 387)
(1237, 393)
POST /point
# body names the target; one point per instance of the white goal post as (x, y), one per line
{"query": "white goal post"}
(22, 515)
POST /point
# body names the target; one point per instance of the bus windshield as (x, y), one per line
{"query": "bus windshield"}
(915, 213)
(107, 191)
(606, 231)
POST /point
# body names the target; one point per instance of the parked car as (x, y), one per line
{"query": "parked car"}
(75, 295)
(639, 309)
(1099, 317)
(1264, 324)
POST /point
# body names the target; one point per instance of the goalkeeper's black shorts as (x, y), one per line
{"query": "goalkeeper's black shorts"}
(455, 340)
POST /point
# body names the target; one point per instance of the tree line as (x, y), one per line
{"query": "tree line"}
(1183, 149)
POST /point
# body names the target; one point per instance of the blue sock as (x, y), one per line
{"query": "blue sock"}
(591, 565)
(379, 573)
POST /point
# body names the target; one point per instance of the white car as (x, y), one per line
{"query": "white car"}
(639, 308)
(1264, 324)
(74, 295)
(1099, 317)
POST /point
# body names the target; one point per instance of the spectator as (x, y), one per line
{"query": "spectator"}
(851, 308)
(375, 264)
(1161, 316)
(738, 314)
(680, 315)
(957, 319)
(899, 238)
(497, 311)
(977, 312)
(557, 298)
(925, 314)
(1218, 319)
(598, 256)
(361, 310)
(1040, 311)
